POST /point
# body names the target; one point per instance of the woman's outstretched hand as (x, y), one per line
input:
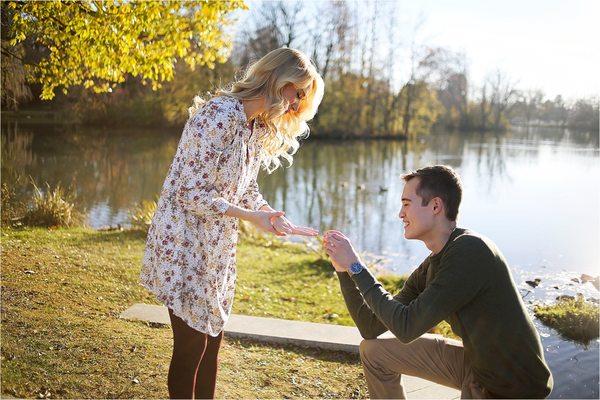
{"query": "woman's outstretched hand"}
(285, 227)
(262, 220)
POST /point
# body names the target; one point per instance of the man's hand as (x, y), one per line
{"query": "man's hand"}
(340, 250)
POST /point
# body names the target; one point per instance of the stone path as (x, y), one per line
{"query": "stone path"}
(298, 333)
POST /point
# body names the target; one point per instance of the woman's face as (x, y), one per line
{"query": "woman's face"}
(293, 95)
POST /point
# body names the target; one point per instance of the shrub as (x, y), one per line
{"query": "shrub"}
(574, 318)
(141, 215)
(12, 210)
(51, 207)
(392, 283)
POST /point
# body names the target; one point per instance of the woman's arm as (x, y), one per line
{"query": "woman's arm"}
(200, 162)
(260, 218)
(252, 199)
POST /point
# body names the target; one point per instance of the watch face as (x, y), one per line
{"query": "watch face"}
(356, 268)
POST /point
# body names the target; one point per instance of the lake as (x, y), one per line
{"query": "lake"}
(535, 193)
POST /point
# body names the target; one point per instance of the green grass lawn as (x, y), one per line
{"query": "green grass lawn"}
(62, 292)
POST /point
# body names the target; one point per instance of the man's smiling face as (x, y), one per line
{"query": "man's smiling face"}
(418, 219)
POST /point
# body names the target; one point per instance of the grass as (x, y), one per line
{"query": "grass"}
(63, 289)
(574, 318)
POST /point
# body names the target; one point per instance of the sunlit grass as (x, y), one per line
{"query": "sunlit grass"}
(63, 289)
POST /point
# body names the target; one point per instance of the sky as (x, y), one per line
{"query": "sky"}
(551, 45)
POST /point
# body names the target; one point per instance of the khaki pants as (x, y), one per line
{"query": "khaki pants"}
(430, 357)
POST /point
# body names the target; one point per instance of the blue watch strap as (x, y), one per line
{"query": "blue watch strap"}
(355, 268)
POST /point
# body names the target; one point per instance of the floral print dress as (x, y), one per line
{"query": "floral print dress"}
(189, 261)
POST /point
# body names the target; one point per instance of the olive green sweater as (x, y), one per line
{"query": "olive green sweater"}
(468, 284)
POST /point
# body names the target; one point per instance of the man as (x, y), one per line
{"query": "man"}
(465, 281)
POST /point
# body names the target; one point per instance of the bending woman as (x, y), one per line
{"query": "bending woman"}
(189, 261)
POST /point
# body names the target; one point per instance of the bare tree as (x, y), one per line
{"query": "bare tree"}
(453, 88)
(502, 94)
(330, 36)
(273, 25)
(484, 108)
(372, 100)
(424, 63)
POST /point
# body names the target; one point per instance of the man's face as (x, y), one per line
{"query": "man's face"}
(418, 219)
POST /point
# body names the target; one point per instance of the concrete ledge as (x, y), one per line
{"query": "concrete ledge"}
(298, 333)
(310, 334)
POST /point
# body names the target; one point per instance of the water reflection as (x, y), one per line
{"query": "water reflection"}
(514, 185)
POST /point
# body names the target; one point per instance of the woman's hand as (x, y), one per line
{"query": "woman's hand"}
(285, 227)
(262, 220)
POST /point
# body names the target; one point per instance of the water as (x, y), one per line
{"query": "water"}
(536, 193)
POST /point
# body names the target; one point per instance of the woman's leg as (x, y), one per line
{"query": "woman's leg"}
(207, 372)
(188, 347)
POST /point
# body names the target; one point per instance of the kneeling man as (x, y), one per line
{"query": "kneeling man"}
(465, 281)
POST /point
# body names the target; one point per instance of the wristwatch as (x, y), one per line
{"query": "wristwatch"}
(355, 268)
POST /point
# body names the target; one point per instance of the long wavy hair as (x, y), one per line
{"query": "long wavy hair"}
(266, 79)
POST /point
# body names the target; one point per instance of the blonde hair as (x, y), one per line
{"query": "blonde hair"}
(266, 79)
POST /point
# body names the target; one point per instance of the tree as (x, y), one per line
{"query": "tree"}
(421, 108)
(424, 62)
(14, 86)
(273, 25)
(502, 95)
(485, 108)
(97, 44)
(532, 100)
(584, 115)
(555, 111)
(453, 89)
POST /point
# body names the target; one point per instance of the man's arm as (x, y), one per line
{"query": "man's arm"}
(456, 283)
(458, 280)
(366, 321)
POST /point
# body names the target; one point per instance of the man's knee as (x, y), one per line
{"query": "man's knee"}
(368, 349)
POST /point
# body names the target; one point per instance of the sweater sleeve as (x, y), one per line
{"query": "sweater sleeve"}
(367, 322)
(201, 162)
(455, 284)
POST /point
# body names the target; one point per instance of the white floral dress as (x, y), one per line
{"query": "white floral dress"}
(189, 261)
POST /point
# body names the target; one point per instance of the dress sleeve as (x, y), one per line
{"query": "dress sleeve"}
(252, 199)
(201, 160)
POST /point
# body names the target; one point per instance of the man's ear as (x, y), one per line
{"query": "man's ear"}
(438, 205)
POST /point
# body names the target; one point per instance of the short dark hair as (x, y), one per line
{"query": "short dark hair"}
(438, 181)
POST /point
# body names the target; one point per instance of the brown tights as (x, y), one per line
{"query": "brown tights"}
(193, 369)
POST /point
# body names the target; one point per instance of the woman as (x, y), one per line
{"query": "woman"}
(189, 262)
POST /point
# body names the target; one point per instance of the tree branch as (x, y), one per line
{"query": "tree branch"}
(9, 53)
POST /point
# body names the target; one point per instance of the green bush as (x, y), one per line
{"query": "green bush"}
(51, 207)
(574, 318)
